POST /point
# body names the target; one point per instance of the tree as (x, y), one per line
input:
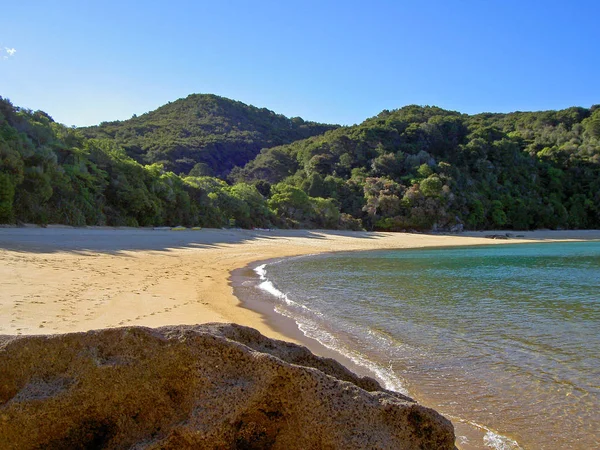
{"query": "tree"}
(431, 186)
(289, 202)
(498, 215)
(7, 195)
(201, 170)
(326, 212)
(250, 207)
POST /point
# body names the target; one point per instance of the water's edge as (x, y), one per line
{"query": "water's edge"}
(245, 283)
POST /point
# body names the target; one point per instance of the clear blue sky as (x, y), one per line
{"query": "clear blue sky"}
(330, 61)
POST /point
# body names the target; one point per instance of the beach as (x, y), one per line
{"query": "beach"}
(62, 279)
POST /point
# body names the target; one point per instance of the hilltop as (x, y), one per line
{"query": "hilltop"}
(214, 131)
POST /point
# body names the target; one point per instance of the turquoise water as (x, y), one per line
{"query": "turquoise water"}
(506, 337)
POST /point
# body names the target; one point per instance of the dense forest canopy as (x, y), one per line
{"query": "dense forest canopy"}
(192, 163)
(209, 130)
(424, 167)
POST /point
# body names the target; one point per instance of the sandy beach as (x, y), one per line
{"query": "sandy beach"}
(59, 279)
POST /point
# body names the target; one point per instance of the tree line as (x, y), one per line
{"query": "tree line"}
(415, 168)
(427, 168)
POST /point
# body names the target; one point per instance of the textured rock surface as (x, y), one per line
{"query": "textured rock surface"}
(206, 386)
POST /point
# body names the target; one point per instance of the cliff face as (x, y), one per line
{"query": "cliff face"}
(206, 386)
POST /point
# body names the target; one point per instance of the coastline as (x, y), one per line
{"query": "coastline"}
(245, 283)
(247, 287)
(63, 279)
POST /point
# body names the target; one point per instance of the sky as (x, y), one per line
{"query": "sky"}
(328, 61)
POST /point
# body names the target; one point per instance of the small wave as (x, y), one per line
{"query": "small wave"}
(311, 329)
(261, 271)
(269, 287)
(499, 442)
(491, 439)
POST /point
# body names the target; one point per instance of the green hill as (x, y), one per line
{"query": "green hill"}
(214, 131)
(50, 173)
(416, 167)
(425, 167)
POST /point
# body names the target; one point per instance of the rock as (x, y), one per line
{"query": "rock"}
(457, 228)
(206, 386)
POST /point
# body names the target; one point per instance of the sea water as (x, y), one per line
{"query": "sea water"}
(505, 337)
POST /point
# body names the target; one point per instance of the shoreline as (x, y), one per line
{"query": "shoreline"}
(61, 279)
(245, 281)
(64, 279)
(246, 285)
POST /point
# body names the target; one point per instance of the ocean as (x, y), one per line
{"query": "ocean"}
(504, 340)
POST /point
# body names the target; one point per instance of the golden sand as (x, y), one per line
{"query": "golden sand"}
(59, 280)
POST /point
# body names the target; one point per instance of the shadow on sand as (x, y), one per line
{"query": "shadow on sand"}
(119, 240)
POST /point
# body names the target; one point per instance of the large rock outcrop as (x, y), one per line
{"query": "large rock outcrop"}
(214, 386)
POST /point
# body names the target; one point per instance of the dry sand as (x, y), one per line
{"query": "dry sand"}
(60, 279)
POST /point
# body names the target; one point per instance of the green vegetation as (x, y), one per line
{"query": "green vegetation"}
(426, 168)
(416, 168)
(53, 174)
(206, 134)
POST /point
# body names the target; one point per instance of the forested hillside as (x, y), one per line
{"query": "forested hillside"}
(418, 168)
(53, 174)
(214, 132)
(424, 167)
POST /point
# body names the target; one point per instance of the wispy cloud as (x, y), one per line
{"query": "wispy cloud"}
(7, 52)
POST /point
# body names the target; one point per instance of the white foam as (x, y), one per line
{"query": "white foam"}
(261, 271)
(312, 330)
(385, 375)
(269, 287)
(499, 442)
(491, 439)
